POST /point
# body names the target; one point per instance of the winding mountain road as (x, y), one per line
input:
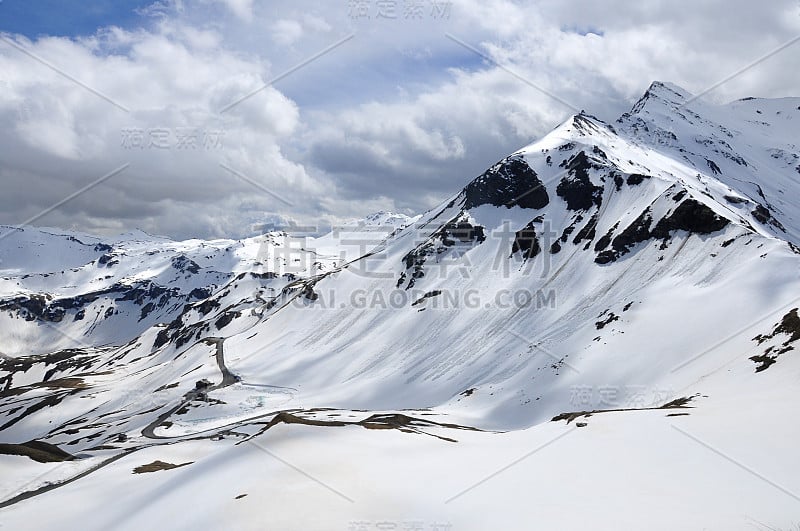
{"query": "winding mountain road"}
(228, 379)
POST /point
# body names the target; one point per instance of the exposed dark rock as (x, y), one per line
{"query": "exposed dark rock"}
(225, 319)
(38, 307)
(464, 231)
(608, 320)
(207, 305)
(606, 257)
(636, 232)
(618, 180)
(201, 293)
(457, 231)
(763, 215)
(147, 291)
(185, 265)
(149, 307)
(605, 239)
(527, 242)
(599, 152)
(268, 275)
(587, 232)
(763, 362)
(691, 216)
(636, 178)
(568, 231)
(162, 338)
(789, 326)
(510, 182)
(679, 196)
(428, 295)
(309, 293)
(735, 200)
(576, 188)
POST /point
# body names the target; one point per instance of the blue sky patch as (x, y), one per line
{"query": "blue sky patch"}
(67, 18)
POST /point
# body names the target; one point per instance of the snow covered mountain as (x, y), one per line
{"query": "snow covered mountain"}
(613, 307)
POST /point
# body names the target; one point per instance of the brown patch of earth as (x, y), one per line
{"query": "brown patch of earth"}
(155, 466)
(39, 451)
(678, 403)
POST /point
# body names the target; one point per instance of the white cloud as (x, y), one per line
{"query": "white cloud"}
(243, 9)
(173, 136)
(286, 32)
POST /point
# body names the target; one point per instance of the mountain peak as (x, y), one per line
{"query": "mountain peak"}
(662, 93)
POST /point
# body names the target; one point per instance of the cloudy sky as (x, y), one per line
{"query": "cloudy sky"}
(205, 118)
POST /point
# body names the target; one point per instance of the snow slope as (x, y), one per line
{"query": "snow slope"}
(641, 277)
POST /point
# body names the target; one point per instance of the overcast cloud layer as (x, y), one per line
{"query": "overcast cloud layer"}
(398, 116)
